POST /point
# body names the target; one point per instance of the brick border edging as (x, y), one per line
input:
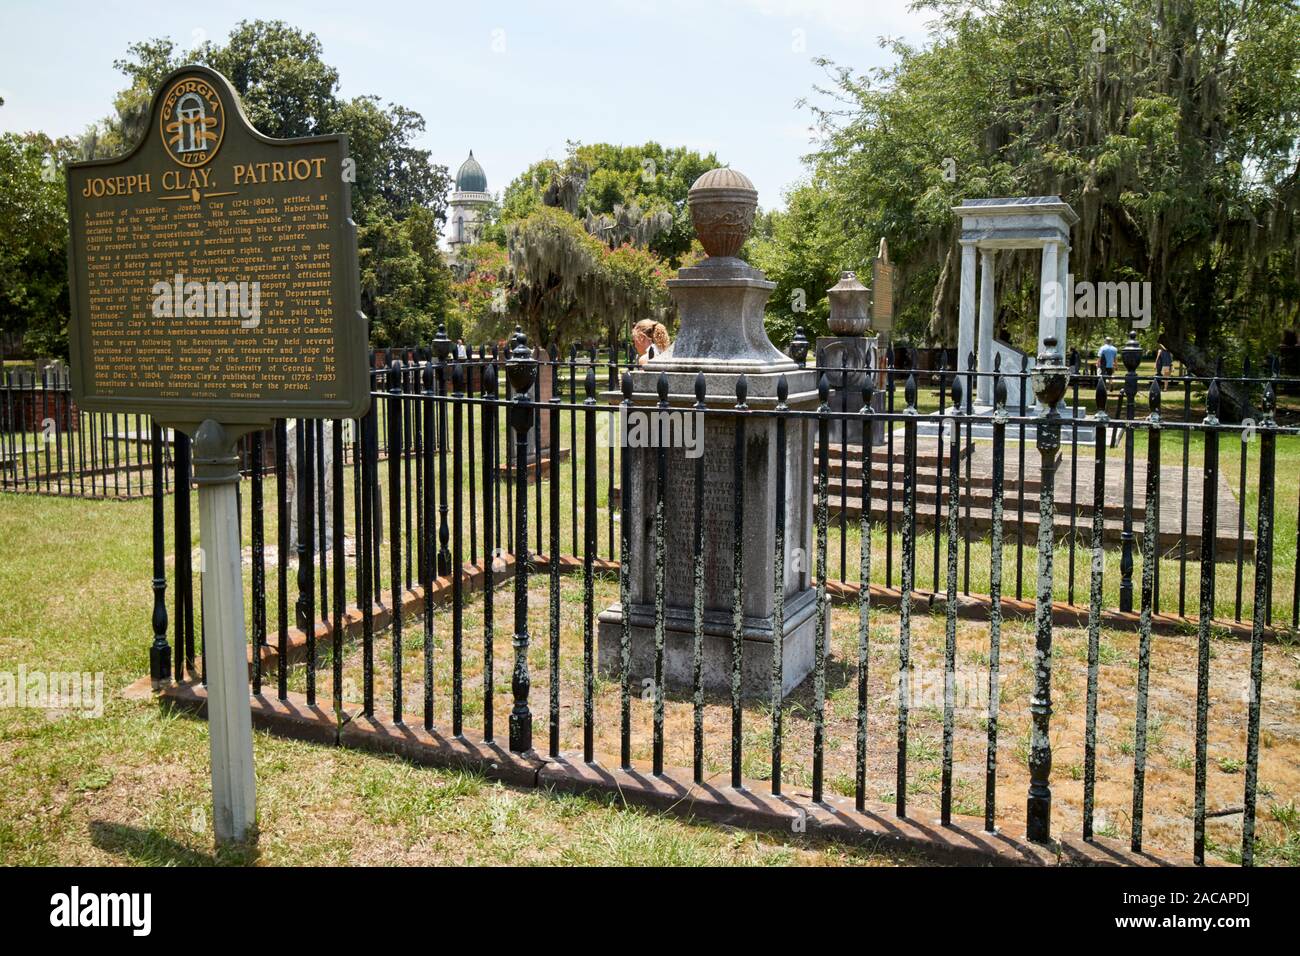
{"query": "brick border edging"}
(751, 807)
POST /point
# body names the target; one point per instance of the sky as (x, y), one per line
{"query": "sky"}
(512, 81)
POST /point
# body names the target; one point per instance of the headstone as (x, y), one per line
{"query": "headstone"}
(295, 487)
(720, 302)
(847, 361)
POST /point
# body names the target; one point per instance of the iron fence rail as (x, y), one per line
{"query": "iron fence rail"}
(49, 446)
(472, 448)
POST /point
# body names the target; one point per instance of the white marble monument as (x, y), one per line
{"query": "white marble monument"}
(987, 226)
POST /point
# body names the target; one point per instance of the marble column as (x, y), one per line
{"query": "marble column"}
(1063, 278)
(984, 355)
(1048, 294)
(966, 307)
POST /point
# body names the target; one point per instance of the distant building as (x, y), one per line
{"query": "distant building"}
(467, 206)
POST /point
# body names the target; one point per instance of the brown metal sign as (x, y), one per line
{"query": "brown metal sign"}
(213, 270)
(882, 291)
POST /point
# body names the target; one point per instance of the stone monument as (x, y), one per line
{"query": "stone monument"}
(847, 356)
(721, 340)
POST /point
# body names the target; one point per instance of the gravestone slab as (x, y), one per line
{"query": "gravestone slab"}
(294, 489)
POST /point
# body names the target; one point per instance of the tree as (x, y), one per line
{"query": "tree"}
(602, 183)
(405, 285)
(800, 250)
(630, 287)
(393, 176)
(480, 299)
(285, 86)
(552, 268)
(1170, 125)
(33, 241)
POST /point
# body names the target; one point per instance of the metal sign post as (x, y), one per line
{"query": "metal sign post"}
(230, 726)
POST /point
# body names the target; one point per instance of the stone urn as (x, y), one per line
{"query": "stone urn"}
(722, 204)
(850, 304)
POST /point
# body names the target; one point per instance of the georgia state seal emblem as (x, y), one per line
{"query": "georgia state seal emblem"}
(192, 121)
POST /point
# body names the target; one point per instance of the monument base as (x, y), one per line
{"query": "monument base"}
(798, 648)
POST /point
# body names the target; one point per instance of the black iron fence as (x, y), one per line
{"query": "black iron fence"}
(49, 446)
(509, 468)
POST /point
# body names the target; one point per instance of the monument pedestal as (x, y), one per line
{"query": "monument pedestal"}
(847, 361)
(721, 340)
(715, 440)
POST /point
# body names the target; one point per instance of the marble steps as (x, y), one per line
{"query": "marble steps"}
(929, 469)
(981, 520)
(980, 493)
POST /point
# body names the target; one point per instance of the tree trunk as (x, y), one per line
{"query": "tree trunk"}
(1233, 400)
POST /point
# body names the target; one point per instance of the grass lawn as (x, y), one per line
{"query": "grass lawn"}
(132, 786)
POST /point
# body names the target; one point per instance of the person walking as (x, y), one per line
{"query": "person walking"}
(1164, 365)
(1106, 357)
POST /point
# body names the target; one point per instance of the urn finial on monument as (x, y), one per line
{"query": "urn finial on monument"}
(722, 204)
(519, 368)
(799, 346)
(850, 303)
(720, 300)
(852, 353)
(1051, 375)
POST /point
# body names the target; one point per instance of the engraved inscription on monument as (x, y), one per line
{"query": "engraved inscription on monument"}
(213, 270)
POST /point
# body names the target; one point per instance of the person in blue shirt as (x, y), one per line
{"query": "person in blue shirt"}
(1106, 357)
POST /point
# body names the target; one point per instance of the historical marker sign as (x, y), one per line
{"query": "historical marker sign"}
(882, 291)
(213, 270)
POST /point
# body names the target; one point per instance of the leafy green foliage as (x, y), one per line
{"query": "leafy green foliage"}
(405, 285)
(1170, 127)
(599, 179)
(590, 242)
(552, 270)
(800, 250)
(33, 241)
(480, 300)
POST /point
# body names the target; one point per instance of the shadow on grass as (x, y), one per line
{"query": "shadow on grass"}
(151, 848)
